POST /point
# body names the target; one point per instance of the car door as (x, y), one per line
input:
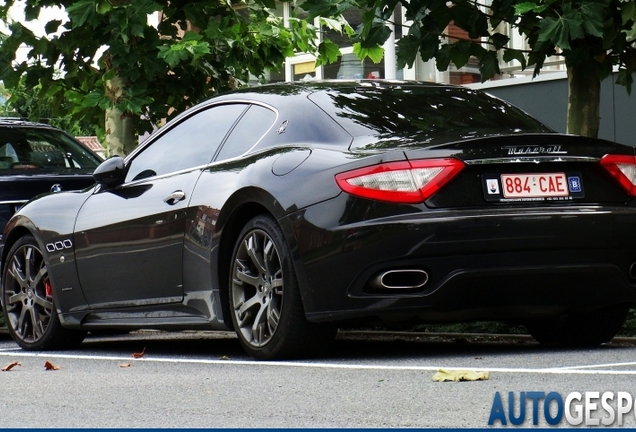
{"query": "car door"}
(129, 240)
(198, 270)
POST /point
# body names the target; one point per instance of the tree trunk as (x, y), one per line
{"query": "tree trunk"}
(584, 99)
(120, 131)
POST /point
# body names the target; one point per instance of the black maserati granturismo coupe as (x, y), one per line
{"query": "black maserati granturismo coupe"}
(286, 210)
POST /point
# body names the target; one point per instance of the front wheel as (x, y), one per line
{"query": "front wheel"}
(579, 329)
(28, 303)
(265, 303)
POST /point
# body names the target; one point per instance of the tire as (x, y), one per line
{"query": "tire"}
(28, 304)
(581, 329)
(265, 303)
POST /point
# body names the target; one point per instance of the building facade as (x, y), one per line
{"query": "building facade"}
(544, 97)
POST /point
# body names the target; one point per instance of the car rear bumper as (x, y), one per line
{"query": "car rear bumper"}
(506, 263)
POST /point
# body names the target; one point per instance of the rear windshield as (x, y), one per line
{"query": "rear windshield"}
(32, 148)
(423, 113)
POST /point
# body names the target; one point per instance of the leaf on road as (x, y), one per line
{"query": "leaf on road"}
(138, 355)
(224, 358)
(443, 375)
(50, 366)
(124, 365)
(10, 366)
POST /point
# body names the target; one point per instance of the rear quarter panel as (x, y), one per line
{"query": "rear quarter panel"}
(278, 182)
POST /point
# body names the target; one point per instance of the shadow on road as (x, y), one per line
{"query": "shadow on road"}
(348, 345)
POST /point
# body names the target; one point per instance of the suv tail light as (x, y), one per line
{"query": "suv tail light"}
(407, 182)
(623, 168)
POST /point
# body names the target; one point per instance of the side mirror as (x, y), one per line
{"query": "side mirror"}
(110, 173)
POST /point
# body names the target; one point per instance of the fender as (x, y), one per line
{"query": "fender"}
(54, 216)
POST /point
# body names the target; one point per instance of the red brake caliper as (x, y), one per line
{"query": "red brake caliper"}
(47, 289)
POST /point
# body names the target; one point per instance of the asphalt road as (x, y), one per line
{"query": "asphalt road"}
(203, 379)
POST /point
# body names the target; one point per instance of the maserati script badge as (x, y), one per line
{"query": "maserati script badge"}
(534, 150)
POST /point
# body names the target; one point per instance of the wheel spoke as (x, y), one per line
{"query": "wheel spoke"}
(277, 283)
(21, 327)
(259, 319)
(245, 306)
(269, 255)
(259, 335)
(16, 272)
(28, 263)
(273, 317)
(43, 302)
(16, 298)
(40, 276)
(243, 276)
(241, 320)
(251, 247)
(37, 325)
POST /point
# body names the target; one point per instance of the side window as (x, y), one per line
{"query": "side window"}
(249, 130)
(191, 143)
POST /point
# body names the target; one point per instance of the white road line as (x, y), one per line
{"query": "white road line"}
(555, 371)
(600, 365)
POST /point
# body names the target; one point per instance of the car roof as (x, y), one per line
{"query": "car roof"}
(420, 111)
(295, 95)
(357, 108)
(301, 88)
(18, 121)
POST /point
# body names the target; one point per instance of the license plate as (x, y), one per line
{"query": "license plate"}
(560, 186)
(534, 185)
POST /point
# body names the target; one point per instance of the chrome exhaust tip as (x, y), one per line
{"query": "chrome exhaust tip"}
(400, 279)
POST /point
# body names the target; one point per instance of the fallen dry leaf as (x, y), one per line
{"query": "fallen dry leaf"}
(50, 366)
(139, 354)
(125, 365)
(443, 375)
(10, 366)
(224, 358)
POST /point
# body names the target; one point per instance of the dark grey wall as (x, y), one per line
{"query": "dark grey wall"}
(547, 101)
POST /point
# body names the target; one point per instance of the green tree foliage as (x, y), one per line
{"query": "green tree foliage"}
(593, 36)
(115, 69)
(31, 104)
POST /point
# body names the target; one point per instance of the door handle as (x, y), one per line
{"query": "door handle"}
(174, 197)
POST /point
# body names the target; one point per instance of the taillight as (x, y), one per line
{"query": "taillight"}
(400, 182)
(623, 168)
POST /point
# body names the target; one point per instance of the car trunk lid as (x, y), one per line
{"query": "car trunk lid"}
(527, 169)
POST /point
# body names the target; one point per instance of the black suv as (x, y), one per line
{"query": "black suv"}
(36, 158)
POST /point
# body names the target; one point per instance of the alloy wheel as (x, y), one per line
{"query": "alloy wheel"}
(257, 288)
(28, 296)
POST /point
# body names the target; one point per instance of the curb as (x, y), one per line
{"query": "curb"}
(413, 335)
(4, 332)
